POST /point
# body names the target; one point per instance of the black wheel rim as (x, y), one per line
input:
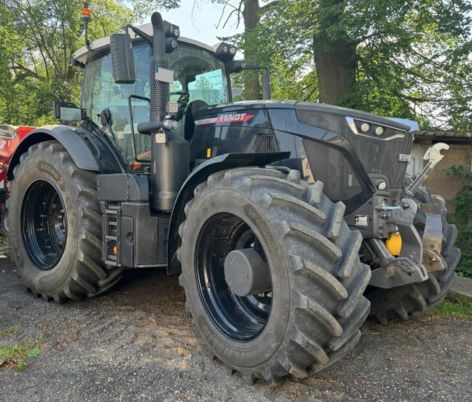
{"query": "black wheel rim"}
(239, 318)
(44, 224)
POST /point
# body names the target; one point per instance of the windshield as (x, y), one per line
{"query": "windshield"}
(196, 72)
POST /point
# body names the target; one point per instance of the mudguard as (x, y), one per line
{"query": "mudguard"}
(200, 174)
(76, 145)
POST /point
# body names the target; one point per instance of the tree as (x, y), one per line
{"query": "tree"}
(403, 57)
(37, 39)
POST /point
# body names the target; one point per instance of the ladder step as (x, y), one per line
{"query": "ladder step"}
(111, 228)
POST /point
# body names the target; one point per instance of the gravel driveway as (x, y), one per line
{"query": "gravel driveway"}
(136, 343)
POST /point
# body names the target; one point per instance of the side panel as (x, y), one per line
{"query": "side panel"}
(134, 237)
(200, 174)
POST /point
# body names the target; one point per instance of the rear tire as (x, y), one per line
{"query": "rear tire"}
(55, 226)
(316, 304)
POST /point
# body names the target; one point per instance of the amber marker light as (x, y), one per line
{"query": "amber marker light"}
(394, 244)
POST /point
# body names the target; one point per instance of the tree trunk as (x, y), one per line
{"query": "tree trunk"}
(336, 71)
(251, 20)
(335, 57)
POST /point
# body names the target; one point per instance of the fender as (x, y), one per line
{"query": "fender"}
(84, 148)
(199, 175)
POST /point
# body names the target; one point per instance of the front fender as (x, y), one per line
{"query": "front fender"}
(199, 175)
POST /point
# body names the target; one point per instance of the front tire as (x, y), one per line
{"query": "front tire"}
(55, 226)
(312, 314)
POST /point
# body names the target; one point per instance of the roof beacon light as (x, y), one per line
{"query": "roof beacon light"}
(86, 11)
(85, 19)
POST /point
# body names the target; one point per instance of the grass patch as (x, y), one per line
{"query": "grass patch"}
(14, 329)
(15, 356)
(458, 308)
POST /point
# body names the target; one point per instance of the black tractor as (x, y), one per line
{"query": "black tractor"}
(284, 220)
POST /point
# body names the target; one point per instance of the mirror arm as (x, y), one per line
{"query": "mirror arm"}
(141, 34)
(235, 67)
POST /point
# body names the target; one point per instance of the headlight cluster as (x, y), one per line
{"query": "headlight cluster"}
(225, 52)
(372, 129)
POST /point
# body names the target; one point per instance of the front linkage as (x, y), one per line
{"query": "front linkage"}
(419, 250)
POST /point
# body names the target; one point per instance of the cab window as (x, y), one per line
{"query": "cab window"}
(196, 72)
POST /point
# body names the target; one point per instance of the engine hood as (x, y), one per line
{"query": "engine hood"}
(302, 109)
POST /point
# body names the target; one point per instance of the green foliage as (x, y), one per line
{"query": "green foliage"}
(412, 58)
(37, 39)
(460, 308)
(144, 8)
(16, 356)
(463, 217)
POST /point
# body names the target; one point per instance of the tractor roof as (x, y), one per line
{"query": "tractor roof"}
(84, 54)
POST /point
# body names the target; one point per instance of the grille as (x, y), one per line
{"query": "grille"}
(264, 143)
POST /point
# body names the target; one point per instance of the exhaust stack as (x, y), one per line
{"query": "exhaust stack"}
(170, 153)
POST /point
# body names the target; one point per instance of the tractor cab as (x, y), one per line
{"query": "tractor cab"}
(199, 79)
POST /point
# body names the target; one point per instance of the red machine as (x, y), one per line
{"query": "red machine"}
(10, 137)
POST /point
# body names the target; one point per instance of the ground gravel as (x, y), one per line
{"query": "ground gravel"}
(136, 343)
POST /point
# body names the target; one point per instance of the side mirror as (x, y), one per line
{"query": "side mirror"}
(68, 112)
(237, 66)
(122, 59)
(139, 108)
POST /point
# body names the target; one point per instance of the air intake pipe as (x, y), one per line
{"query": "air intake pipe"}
(170, 153)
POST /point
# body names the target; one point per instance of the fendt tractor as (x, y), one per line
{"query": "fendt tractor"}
(285, 220)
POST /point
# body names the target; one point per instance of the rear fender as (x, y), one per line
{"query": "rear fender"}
(199, 175)
(78, 146)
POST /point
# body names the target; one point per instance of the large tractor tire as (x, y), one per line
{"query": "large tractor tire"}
(55, 226)
(308, 310)
(405, 302)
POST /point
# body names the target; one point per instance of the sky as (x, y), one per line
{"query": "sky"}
(198, 19)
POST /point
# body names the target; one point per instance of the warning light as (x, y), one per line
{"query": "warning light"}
(86, 11)
(208, 153)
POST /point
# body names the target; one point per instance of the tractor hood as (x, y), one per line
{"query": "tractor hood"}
(312, 113)
(361, 158)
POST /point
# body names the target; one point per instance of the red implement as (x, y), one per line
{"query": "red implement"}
(10, 137)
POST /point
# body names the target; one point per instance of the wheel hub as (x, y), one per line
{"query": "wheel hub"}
(233, 277)
(246, 273)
